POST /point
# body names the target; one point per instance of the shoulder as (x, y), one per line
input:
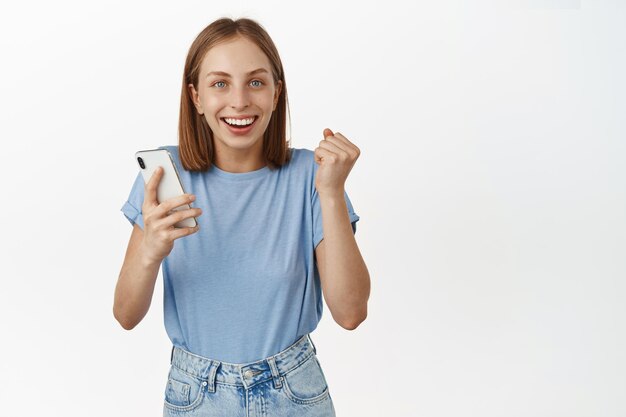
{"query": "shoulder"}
(302, 152)
(302, 156)
(303, 161)
(171, 148)
(304, 168)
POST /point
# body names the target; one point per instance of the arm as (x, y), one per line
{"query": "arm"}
(135, 285)
(146, 250)
(343, 273)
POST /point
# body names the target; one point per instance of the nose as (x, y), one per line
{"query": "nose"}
(240, 98)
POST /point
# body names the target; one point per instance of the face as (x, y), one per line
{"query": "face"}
(228, 88)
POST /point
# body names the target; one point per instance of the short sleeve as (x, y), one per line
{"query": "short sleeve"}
(132, 206)
(318, 233)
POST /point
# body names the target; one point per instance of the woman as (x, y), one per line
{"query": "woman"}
(243, 289)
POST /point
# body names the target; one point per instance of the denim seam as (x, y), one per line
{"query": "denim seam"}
(298, 365)
(188, 373)
(236, 385)
(239, 364)
(276, 356)
(314, 400)
(195, 404)
(275, 373)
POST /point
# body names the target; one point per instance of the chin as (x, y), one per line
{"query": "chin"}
(240, 143)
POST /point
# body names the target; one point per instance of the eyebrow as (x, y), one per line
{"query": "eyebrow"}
(225, 74)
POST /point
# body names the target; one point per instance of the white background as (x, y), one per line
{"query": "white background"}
(491, 189)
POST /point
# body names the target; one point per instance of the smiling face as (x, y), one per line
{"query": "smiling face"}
(236, 81)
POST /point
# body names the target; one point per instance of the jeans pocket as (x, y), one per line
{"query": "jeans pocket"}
(306, 384)
(184, 392)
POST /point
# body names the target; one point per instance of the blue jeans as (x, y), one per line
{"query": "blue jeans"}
(290, 383)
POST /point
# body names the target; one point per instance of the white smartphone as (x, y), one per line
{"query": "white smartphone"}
(170, 185)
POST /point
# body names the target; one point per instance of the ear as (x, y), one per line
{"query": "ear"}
(195, 98)
(279, 89)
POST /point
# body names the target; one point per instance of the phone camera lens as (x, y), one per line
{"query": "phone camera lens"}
(141, 164)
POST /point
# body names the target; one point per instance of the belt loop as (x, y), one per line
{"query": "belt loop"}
(312, 344)
(212, 372)
(172, 355)
(275, 375)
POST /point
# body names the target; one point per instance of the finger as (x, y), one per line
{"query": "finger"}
(150, 188)
(183, 231)
(171, 203)
(342, 138)
(334, 147)
(338, 143)
(331, 137)
(337, 138)
(349, 146)
(180, 215)
(324, 154)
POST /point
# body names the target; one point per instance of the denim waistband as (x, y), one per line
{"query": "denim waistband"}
(244, 374)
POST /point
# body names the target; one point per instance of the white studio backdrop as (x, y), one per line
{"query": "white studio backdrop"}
(491, 189)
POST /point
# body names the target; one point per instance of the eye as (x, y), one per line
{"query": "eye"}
(257, 81)
(218, 82)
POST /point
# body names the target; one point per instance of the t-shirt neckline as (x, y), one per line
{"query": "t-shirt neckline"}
(239, 176)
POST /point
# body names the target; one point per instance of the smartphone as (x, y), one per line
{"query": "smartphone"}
(170, 185)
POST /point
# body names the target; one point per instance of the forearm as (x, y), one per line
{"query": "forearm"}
(134, 289)
(348, 282)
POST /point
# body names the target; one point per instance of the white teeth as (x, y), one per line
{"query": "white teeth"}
(239, 122)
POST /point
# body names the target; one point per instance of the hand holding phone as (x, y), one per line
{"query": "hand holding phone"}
(159, 219)
(165, 218)
(169, 184)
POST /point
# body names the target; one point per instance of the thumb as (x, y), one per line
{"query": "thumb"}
(327, 133)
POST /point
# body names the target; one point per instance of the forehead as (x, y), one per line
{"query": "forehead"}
(235, 56)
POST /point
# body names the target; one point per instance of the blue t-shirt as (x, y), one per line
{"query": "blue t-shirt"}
(246, 285)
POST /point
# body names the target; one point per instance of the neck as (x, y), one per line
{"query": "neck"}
(239, 160)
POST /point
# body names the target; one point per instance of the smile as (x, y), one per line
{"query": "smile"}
(239, 126)
(239, 122)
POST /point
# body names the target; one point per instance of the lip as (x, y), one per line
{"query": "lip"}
(239, 131)
(245, 116)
